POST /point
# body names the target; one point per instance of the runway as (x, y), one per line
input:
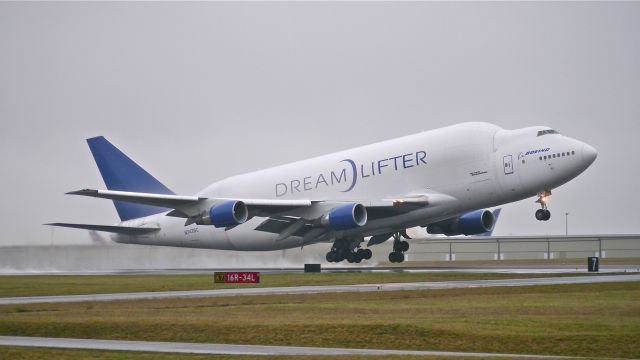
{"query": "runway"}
(193, 348)
(585, 279)
(504, 269)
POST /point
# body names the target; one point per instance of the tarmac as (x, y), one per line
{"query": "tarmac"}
(584, 279)
(498, 268)
(193, 348)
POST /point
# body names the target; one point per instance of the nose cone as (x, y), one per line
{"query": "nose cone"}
(589, 154)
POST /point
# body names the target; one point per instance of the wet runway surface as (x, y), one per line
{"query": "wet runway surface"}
(506, 269)
(174, 347)
(585, 279)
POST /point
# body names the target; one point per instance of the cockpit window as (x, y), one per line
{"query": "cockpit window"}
(545, 132)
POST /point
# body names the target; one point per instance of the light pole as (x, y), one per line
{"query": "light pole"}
(566, 224)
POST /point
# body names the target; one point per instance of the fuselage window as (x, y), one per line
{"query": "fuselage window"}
(573, 152)
(523, 161)
(562, 154)
(554, 156)
(545, 157)
(540, 157)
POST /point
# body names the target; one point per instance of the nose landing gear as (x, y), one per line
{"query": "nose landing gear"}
(543, 214)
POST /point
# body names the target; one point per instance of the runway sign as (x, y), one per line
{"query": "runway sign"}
(312, 268)
(593, 264)
(236, 277)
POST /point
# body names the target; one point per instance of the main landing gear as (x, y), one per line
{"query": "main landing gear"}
(543, 214)
(348, 249)
(399, 247)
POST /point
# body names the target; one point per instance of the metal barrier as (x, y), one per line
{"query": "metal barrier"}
(525, 247)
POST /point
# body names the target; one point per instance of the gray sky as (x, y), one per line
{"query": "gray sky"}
(196, 92)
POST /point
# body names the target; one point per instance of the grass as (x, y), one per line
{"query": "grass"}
(593, 320)
(64, 354)
(40, 285)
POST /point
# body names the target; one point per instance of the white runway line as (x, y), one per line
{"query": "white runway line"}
(324, 289)
(193, 348)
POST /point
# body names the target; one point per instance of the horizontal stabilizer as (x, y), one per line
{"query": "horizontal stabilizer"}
(126, 230)
(163, 200)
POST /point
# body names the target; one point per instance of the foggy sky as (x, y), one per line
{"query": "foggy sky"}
(196, 92)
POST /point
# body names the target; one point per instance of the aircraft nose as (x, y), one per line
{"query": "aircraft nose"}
(589, 154)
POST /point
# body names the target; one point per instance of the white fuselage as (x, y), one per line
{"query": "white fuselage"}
(479, 165)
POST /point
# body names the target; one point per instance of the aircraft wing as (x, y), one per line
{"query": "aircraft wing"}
(191, 206)
(294, 224)
(284, 217)
(188, 206)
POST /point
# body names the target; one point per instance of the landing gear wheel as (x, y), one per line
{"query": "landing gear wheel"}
(396, 257)
(332, 256)
(354, 257)
(348, 249)
(404, 246)
(543, 214)
(400, 246)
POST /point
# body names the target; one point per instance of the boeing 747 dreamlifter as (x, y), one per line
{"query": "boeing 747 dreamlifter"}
(441, 179)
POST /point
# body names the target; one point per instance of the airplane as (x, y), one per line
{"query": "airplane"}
(442, 179)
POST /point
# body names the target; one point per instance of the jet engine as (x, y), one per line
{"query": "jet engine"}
(471, 223)
(228, 213)
(344, 217)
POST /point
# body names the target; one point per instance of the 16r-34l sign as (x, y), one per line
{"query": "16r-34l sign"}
(236, 277)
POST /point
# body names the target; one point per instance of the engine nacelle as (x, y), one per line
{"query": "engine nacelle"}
(344, 217)
(471, 223)
(228, 213)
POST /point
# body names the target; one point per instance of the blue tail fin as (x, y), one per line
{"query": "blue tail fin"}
(121, 173)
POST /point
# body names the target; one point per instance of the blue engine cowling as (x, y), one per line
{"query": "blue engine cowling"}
(228, 213)
(471, 223)
(345, 217)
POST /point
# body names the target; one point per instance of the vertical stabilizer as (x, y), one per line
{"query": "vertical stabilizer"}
(121, 173)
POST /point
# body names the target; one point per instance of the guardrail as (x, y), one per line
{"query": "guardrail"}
(527, 247)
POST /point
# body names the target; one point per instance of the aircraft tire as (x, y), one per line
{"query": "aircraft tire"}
(367, 254)
(547, 215)
(540, 215)
(396, 257)
(332, 256)
(404, 246)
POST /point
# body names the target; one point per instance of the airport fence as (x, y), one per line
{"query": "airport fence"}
(523, 247)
